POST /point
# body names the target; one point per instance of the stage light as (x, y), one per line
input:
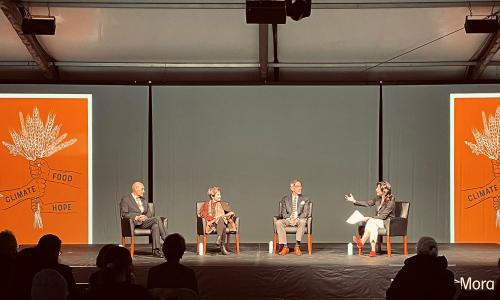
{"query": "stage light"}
(275, 12)
(481, 25)
(39, 25)
(298, 9)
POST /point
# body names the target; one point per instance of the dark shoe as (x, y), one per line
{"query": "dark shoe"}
(157, 253)
(284, 251)
(218, 241)
(223, 250)
(297, 251)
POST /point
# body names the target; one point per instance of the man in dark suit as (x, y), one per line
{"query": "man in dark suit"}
(172, 274)
(135, 207)
(294, 212)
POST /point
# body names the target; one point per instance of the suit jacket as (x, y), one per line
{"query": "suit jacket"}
(302, 206)
(387, 210)
(130, 209)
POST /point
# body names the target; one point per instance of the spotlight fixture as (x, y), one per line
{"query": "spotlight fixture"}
(276, 11)
(481, 24)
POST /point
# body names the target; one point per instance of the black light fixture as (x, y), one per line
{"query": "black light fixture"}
(481, 24)
(298, 9)
(39, 25)
(276, 11)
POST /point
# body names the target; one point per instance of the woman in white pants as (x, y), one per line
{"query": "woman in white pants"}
(385, 209)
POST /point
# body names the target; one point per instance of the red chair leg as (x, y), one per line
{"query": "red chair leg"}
(132, 240)
(405, 245)
(204, 244)
(309, 243)
(237, 244)
(388, 246)
(274, 244)
(123, 241)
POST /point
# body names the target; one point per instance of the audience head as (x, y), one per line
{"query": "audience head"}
(118, 267)
(100, 262)
(48, 284)
(49, 248)
(174, 247)
(8, 244)
(138, 189)
(427, 246)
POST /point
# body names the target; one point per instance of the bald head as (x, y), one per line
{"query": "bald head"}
(427, 246)
(138, 189)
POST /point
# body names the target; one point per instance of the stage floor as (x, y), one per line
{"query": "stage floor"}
(328, 274)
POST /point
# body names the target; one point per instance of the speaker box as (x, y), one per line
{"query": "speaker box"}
(481, 25)
(265, 12)
(39, 26)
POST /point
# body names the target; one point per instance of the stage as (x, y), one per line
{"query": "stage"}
(328, 274)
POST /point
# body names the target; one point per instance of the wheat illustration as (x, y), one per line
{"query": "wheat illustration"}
(487, 142)
(37, 140)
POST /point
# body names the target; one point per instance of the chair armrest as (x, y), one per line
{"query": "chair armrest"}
(237, 223)
(165, 222)
(309, 224)
(127, 227)
(275, 218)
(397, 227)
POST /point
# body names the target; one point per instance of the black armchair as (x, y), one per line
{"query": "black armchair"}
(397, 226)
(293, 229)
(129, 229)
(201, 224)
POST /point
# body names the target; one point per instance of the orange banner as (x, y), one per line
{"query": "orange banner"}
(44, 161)
(476, 164)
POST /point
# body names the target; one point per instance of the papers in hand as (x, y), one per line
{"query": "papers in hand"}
(356, 217)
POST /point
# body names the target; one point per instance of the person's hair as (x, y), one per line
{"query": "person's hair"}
(100, 262)
(8, 243)
(48, 248)
(118, 264)
(174, 247)
(212, 191)
(386, 188)
(427, 246)
(294, 181)
(48, 284)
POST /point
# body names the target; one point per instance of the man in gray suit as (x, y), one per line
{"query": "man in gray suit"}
(294, 212)
(135, 207)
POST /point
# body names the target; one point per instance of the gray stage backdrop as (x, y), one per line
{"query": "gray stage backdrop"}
(416, 143)
(252, 141)
(119, 146)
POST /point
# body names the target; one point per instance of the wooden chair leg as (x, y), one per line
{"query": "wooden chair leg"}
(228, 241)
(274, 243)
(204, 244)
(388, 246)
(309, 243)
(132, 240)
(237, 244)
(405, 245)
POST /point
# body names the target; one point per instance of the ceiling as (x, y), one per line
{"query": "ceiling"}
(176, 41)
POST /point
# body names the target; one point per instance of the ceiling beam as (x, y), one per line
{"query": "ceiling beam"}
(240, 4)
(485, 56)
(44, 61)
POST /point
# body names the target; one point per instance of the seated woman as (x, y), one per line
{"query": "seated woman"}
(385, 204)
(218, 215)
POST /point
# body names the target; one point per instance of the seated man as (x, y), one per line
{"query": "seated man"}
(294, 212)
(423, 276)
(134, 206)
(172, 274)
